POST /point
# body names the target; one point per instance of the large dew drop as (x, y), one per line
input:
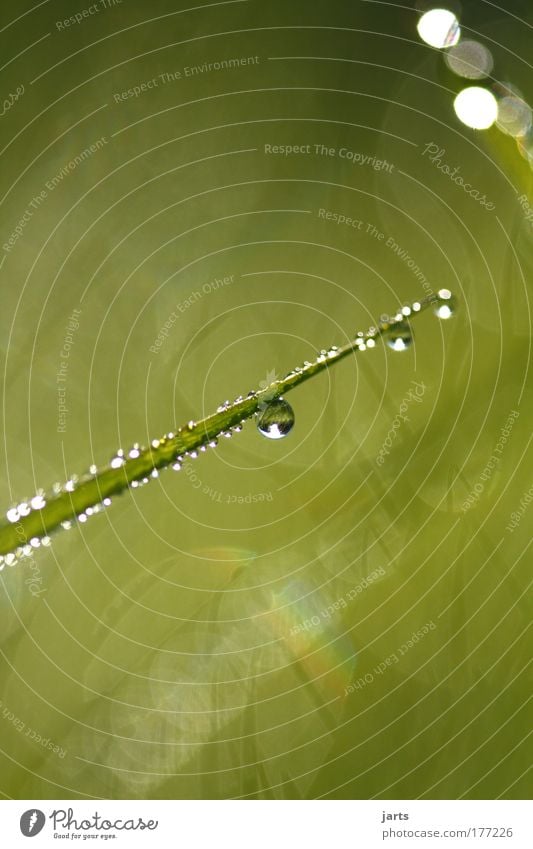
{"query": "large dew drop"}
(399, 337)
(445, 305)
(277, 420)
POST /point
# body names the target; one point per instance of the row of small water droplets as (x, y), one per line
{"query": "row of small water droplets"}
(38, 503)
(119, 458)
(211, 442)
(276, 419)
(399, 336)
(13, 515)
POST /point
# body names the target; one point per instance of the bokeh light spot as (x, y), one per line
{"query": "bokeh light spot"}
(439, 28)
(470, 59)
(476, 107)
(514, 116)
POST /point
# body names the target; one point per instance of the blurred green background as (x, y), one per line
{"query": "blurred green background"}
(180, 645)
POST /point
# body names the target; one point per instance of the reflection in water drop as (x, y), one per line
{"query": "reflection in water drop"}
(446, 305)
(277, 420)
(399, 337)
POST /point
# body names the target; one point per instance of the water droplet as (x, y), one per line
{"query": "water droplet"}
(24, 509)
(155, 473)
(117, 462)
(399, 337)
(277, 420)
(66, 525)
(93, 470)
(13, 515)
(38, 502)
(106, 502)
(370, 343)
(176, 467)
(191, 425)
(69, 486)
(445, 305)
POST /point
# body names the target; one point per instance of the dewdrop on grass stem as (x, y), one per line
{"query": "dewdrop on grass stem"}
(276, 420)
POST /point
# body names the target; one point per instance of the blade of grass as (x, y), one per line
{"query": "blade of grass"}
(31, 524)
